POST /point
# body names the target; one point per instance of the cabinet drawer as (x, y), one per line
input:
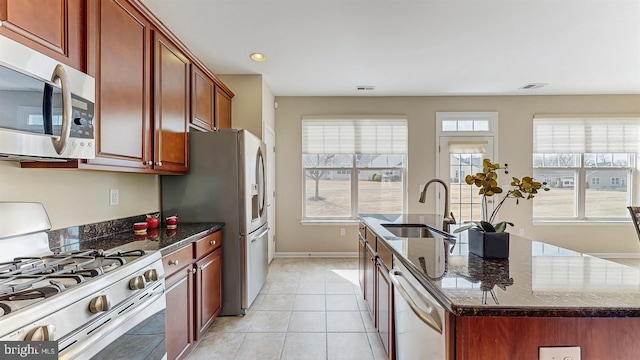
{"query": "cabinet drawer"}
(385, 255)
(208, 243)
(177, 260)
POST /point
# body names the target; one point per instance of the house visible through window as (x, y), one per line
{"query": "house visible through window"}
(353, 165)
(589, 165)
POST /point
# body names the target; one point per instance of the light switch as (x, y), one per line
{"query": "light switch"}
(559, 353)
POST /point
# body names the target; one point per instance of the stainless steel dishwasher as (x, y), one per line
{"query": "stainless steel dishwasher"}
(419, 318)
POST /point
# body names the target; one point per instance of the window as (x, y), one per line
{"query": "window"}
(352, 166)
(589, 165)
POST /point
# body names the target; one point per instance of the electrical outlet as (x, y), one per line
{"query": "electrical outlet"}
(559, 353)
(114, 197)
(521, 232)
(421, 187)
(342, 232)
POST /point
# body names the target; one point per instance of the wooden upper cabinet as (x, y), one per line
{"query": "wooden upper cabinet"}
(123, 92)
(172, 103)
(53, 27)
(223, 109)
(202, 100)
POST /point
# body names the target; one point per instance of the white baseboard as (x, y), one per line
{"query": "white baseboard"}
(617, 255)
(316, 255)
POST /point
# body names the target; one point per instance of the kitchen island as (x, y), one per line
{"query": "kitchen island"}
(542, 296)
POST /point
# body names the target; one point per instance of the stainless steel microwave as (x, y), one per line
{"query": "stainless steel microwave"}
(46, 108)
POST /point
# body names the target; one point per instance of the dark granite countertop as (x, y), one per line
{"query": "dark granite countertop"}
(538, 279)
(118, 233)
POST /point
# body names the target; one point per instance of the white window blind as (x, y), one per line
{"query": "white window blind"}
(467, 147)
(586, 135)
(354, 136)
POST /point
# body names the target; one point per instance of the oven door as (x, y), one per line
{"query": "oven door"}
(133, 330)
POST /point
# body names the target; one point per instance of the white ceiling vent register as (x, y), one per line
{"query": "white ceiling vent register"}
(533, 86)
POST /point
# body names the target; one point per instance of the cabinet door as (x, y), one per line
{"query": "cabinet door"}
(362, 261)
(171, 102)
(384, 309)
(179, 313)
(223, 109)
(369, 281)
(202, 100)
(209, 291)
(53, 27)
(123, 106)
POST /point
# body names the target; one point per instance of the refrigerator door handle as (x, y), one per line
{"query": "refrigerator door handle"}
(261, 234)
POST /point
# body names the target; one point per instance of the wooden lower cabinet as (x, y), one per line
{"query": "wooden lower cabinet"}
(374, 262)
(179, 312)
(362, 259)
(209, 291)
(194, 293)
(384, 309)
(480, 338)
(369, 281)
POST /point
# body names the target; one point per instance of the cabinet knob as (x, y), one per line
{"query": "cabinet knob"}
(212, 242)
(173, 262)
(99, 304)
(159, 163)
(192, 271)
(149, 162)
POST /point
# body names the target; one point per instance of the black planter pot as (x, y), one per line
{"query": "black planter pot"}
(489, 245)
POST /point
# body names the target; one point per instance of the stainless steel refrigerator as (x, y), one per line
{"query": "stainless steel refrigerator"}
(226, 182)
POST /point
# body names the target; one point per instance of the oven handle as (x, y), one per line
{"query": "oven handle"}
(430, 315)
(59, 144)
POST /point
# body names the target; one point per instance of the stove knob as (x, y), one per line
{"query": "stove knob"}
(151, 275)
(42, 333)
(99, 304)
(137, 283)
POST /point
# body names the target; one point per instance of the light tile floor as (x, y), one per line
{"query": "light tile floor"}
(309, 308)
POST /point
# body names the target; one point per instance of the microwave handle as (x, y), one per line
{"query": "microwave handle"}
(59, 144)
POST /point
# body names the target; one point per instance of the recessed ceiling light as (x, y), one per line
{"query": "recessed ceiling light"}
(258, 57)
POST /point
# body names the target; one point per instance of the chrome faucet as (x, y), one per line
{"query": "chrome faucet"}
(447, 220)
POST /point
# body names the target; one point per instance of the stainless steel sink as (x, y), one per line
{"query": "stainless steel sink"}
(412, 231)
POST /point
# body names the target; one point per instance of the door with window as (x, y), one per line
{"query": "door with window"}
(459, 157)
(464, 140)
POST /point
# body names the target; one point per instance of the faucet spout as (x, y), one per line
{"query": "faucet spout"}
(448, 218)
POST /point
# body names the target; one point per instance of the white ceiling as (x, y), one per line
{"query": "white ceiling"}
(416, 47)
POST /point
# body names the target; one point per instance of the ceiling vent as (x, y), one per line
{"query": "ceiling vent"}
(364, 88)
(533, 86)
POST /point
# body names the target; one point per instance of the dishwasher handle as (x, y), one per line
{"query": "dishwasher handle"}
(430, 315)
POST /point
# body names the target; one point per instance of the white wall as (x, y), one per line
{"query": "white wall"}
(514, 144)
(78, 197)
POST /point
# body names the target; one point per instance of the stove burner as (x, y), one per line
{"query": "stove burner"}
(20, 278)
